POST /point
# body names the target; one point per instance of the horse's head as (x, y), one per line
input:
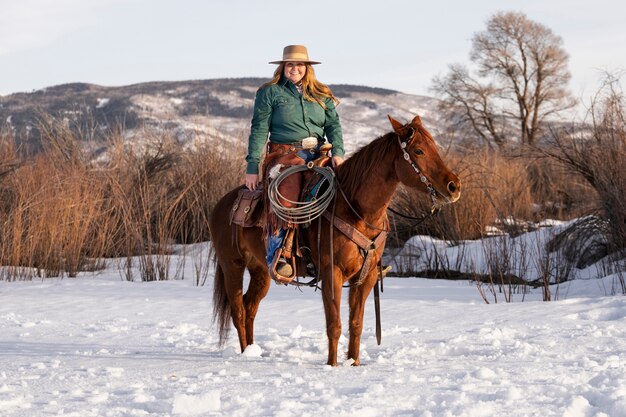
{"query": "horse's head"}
(420, 165)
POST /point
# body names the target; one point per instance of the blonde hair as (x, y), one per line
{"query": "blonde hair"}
(312, 89)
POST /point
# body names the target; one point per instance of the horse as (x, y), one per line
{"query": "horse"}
(367, 181)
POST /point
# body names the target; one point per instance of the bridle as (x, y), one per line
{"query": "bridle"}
(431, 190)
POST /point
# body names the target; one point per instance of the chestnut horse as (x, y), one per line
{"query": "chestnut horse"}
(368, 180)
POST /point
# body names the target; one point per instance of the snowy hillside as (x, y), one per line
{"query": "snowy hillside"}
(199, 110)
(101, 346)
(364, 115)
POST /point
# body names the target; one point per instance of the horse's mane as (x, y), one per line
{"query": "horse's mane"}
(350, 174)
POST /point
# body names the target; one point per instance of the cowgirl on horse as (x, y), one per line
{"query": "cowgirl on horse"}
(298, 113)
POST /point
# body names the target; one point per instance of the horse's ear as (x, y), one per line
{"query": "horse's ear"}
(397, 126)
(417, 121)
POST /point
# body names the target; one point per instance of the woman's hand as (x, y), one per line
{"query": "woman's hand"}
(337, 160)
(251, 181)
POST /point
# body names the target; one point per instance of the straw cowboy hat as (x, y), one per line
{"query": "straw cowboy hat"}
(295, 53)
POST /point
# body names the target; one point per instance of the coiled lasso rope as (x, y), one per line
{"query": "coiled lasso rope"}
(302, 211)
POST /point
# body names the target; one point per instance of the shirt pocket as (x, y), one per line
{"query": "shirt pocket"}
(284, 111)
(282, 102)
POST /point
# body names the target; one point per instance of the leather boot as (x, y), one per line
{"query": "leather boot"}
(284, 268)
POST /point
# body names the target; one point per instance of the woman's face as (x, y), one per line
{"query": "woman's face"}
(294, 71)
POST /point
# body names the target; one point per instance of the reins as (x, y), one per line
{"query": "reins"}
(418, 220)
(356, 213)
(364, 243)
(431, 191)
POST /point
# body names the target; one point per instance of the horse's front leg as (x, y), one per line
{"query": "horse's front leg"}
(331, 294)
(358, 295)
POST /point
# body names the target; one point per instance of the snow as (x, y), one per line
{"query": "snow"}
(196, 404)
(100, 346)
(524, 256)
(102, 102)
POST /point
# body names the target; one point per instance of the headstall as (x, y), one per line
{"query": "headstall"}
(431, 190)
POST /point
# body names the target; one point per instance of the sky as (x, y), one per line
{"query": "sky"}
(395, 44)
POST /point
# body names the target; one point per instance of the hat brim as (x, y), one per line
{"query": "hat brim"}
(294, 60)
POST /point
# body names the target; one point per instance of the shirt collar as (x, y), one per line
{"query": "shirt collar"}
(286, 83)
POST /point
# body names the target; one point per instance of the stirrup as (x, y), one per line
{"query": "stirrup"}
(282, 270)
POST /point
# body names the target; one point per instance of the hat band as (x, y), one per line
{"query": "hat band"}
(296, 57)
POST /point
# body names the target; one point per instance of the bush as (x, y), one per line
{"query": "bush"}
(496, 190)
(62, 209)
(596, 156)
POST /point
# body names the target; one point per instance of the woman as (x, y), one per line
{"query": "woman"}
(298, 113)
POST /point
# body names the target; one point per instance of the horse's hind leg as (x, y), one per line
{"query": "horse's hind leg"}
(257, 289)
(234, 290)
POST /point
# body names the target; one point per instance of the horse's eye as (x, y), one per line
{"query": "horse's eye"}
(418, 151)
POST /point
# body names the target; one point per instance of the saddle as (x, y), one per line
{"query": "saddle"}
(250, 209)
(246, 210)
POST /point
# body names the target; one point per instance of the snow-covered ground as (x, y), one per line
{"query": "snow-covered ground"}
(525, 256)
(101, 346)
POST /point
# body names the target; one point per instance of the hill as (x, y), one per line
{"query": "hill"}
(194, 110)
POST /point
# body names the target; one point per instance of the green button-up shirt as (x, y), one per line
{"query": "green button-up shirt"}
(283, 113)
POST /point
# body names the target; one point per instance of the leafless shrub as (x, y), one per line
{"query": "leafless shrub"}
(553, 268)
(423, 257)
(61, 142)
(556, 193)
(207, 173)
(596, 155)
(51, 215)
(583, 243)
(62, 209)
(167, 196)
(614, 266)
(506, 266)
(495, 188)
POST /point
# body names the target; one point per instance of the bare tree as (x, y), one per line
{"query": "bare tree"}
(520, 79)
(470, 103)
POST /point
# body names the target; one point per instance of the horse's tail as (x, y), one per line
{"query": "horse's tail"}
(221, 307)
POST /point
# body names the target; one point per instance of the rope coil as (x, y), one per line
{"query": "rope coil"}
(302, 211)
